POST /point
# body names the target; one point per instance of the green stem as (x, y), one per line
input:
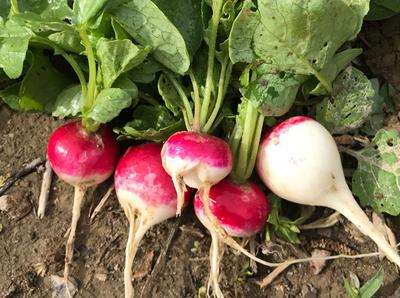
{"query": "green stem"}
(69, 58)
(224, 78)
(150, 99)
(255, 144)
(247, 137)
(185, 100)
(216, 8)
(88, 101)
(197, 103)
(14, 6)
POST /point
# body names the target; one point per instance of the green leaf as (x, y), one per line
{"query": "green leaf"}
(4, 8)
(351, 103)
(376, 182)
(169, 95)
(10, 96)
(272, 92)
(151, 123)
(283, 227)
(147, 24)
(108, 104)
(145, 72)
(241, 35)
(14, 40)
(353, 293)
(372, 286)
(130, 87)
(69, 102)
(119, 31)
(68, 40)
(54, 9)
(382, 9)
(84, 10)
(41, 84)
(39, 24)
(305, 37)
(118, 56)
(186, 16)
(382, 106)
(330, 71)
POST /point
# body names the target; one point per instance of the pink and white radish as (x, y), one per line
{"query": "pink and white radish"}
(195, 159)
(240, 209)
(299, 161)
(147, 195)
(81, 159)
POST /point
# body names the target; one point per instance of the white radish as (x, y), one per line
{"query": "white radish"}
(299, 161)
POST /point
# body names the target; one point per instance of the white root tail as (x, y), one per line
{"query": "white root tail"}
(137, 229)
(102, 202)
(180, 188)
(45, 190)
(348, 207)
(216, 253)
(69, 248)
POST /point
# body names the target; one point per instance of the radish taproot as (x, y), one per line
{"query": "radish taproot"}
(147, 195)
(195, 159)
(82, 160)
(240, 209)
(299, 161)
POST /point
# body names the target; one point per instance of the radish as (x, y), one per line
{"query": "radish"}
(81, 159)
(299, 161)
(147, 195)
(240, 209)
(195, 159)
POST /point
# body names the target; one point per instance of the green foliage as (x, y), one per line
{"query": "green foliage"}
(377, 178)
(350, 104)
(368, 290)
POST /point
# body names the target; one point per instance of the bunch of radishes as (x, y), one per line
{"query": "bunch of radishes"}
(298, 160)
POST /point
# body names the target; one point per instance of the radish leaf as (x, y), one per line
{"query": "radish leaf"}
(351, 102)
(151, 123)
(109, 103)
(118, 56)
(147, 24)
(14, 40)
(377, 178)
(69, 102)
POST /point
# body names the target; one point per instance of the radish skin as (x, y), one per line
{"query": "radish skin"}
(82, 160)
(147, 195)
(196, 160)
(237, 210)
(299, 161)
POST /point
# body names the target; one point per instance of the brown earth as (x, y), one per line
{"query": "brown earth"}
(99, 248)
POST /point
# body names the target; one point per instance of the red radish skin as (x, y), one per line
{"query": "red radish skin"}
(240, 209)
(82, 160)
(147, 195)
(299, 161)
(196, 160)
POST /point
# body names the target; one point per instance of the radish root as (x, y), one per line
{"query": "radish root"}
(137, 229)
(216, 253)
(180, 188)
(69, 248)
(45, 190)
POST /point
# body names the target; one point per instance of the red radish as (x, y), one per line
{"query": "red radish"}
(240, 209)
(147, 195)
(82, 160)
(195, 159)
(299, 161)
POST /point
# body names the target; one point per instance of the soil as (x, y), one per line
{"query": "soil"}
(28, 244)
